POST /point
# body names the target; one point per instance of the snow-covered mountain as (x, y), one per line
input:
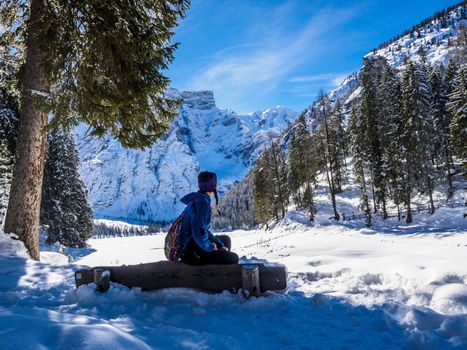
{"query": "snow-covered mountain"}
(433, 37)
(143, 186)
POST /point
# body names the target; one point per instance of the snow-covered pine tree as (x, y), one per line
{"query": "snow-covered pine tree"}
(371, 107)
(270, 183)
(313, 166)
(391, 111)
(8, 134)
(296, 161)
(279, 177)
(8, 119)
(6, 173)
(326, 147)
(356, 136)
(457, 105)
(337, 136)
(427, 133)
(303, 165)
(416, 131)
(65, 210)
(457, 92)
(264, 195)
(441, 118)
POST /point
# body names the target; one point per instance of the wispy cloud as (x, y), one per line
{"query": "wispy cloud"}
(334, 78)
(273, 53)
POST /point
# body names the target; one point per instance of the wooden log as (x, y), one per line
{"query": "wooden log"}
(102, 280)
(166, 274)
(250, 280)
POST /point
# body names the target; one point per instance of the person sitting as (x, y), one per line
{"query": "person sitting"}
(201, 246)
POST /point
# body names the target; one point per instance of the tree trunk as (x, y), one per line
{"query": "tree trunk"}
(430, 192)
(375, 207)
(25, 195)
(299, 198)
(448, 169)
(312, 204)
(329, 172)
(166, 274)
(385, 212)
(368, 222)
(279, 179)
(408, 219)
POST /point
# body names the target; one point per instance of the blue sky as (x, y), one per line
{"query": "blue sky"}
(257, 54)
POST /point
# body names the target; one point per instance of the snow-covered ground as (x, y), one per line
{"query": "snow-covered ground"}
(349, 287)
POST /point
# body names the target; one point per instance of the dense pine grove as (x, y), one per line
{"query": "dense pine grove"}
(270, 181)
(237, 206)
(404, 133)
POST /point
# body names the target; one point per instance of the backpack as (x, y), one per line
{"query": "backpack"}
(172, 247)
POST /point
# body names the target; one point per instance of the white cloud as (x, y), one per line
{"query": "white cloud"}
(333, 78)
(263, 66)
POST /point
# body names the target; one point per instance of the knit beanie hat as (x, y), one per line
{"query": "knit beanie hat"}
(207, 182)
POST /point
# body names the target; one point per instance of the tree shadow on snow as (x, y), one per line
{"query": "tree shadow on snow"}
(176, 318)
(12, 269)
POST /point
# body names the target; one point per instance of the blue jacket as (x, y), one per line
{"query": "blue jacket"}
(196, 222)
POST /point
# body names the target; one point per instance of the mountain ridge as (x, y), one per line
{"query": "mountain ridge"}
(145, 186)
(434, 37)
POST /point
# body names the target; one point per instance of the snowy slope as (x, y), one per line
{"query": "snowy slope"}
(143, 186)
(348, 288)
(434, 39)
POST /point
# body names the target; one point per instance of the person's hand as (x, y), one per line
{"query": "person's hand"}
(224, 248)
(214, 246)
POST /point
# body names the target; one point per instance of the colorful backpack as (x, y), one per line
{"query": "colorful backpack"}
(172, 247)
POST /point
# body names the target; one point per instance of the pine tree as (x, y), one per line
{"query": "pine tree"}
(296, 160)
(357, 135)
(279, 177)
(441, 118)
(391, 127)
(270, 183)
(264, 209)
(337, 136)
(415, 132)
(65, 210)
(427, 134)
(8, 134)
(327, 148)
(312, 166)
(90, 61)
(458, 107)
(6, 173)
(371, 76)
(303, 166)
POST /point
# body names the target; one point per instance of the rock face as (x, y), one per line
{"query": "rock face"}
(144, 186)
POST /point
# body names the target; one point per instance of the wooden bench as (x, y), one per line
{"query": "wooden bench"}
(255, 279)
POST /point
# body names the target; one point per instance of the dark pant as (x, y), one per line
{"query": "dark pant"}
(196, 256)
